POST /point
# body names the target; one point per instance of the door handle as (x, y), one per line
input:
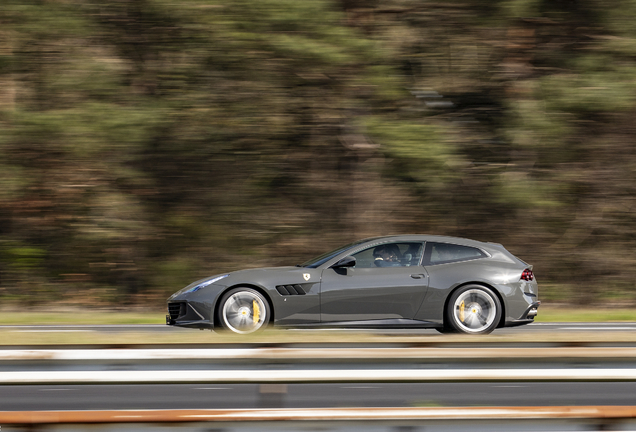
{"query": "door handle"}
(418, 276)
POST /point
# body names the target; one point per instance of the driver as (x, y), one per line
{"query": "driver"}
(387, 256)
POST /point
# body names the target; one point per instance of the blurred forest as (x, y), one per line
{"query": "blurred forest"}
(145, 144)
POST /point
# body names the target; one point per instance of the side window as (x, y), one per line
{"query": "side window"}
(390, 255)
(441, 253)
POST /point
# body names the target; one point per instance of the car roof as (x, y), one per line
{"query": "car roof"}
(432, 238)
(488, 246)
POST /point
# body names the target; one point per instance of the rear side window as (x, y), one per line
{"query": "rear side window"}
(442, 253)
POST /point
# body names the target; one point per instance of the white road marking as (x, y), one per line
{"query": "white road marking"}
(597, 328)
(509, 386)
(213, 388)
(57, 389)
(333, 375)
(50, 331)
(360, 387)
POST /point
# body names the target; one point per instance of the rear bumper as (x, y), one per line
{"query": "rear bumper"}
(527, 317)
(532, 311)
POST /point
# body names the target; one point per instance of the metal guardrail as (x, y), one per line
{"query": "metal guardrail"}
(316, 365)
(322, 414)
(509, 419)
(244, 365)
(225, 376)
(318, 354)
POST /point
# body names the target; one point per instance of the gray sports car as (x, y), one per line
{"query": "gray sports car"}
(407, 281)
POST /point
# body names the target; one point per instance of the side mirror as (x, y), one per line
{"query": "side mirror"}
(347, 261)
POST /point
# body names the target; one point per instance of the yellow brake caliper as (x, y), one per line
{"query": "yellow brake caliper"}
(461, 312)
(256, 316)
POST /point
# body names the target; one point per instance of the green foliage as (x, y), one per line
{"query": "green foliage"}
(24, 257)
(534, 127)
(147, 143)
(618, 18)
(591, 92)
(422, 152)
(38, 20)
(12, 181)
(521, 8)
(522, 193)
(6, 64)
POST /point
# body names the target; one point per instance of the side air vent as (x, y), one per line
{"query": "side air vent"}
(296, 289)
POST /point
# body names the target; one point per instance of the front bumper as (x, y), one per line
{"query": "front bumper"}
(183, 314)
(202, 324)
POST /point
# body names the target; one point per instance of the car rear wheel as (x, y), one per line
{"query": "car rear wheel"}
(243, 311)
(473, 309)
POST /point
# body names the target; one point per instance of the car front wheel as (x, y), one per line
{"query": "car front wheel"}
(243, 311)
(473, 309)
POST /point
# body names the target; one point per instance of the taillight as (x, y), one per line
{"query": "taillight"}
(527, 275)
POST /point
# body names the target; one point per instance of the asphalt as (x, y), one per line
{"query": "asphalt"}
(235, 396)
(162, 328)
(62, 396)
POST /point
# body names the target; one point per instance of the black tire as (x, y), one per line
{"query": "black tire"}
(473, 309)
(243, 311)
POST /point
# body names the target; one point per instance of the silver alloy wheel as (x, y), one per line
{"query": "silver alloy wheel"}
(244, 312)
(474, 311)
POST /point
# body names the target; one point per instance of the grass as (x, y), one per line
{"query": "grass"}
(19, 337)
(569, 313)
(79, 336)
(547, 313)
(79, 318)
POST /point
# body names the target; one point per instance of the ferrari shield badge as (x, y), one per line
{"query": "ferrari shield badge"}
(306, 276)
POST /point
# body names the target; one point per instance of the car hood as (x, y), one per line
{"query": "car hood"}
(257, 275)
(263, 276)
(267, 269)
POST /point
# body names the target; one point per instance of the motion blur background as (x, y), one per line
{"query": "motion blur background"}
(147, 143)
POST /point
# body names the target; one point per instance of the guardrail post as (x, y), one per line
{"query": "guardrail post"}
(272, 395)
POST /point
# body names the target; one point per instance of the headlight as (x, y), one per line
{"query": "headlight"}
(206, 283)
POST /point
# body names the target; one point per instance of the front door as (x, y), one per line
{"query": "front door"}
(381, 286)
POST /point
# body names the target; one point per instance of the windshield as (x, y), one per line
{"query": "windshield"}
(318, 261)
